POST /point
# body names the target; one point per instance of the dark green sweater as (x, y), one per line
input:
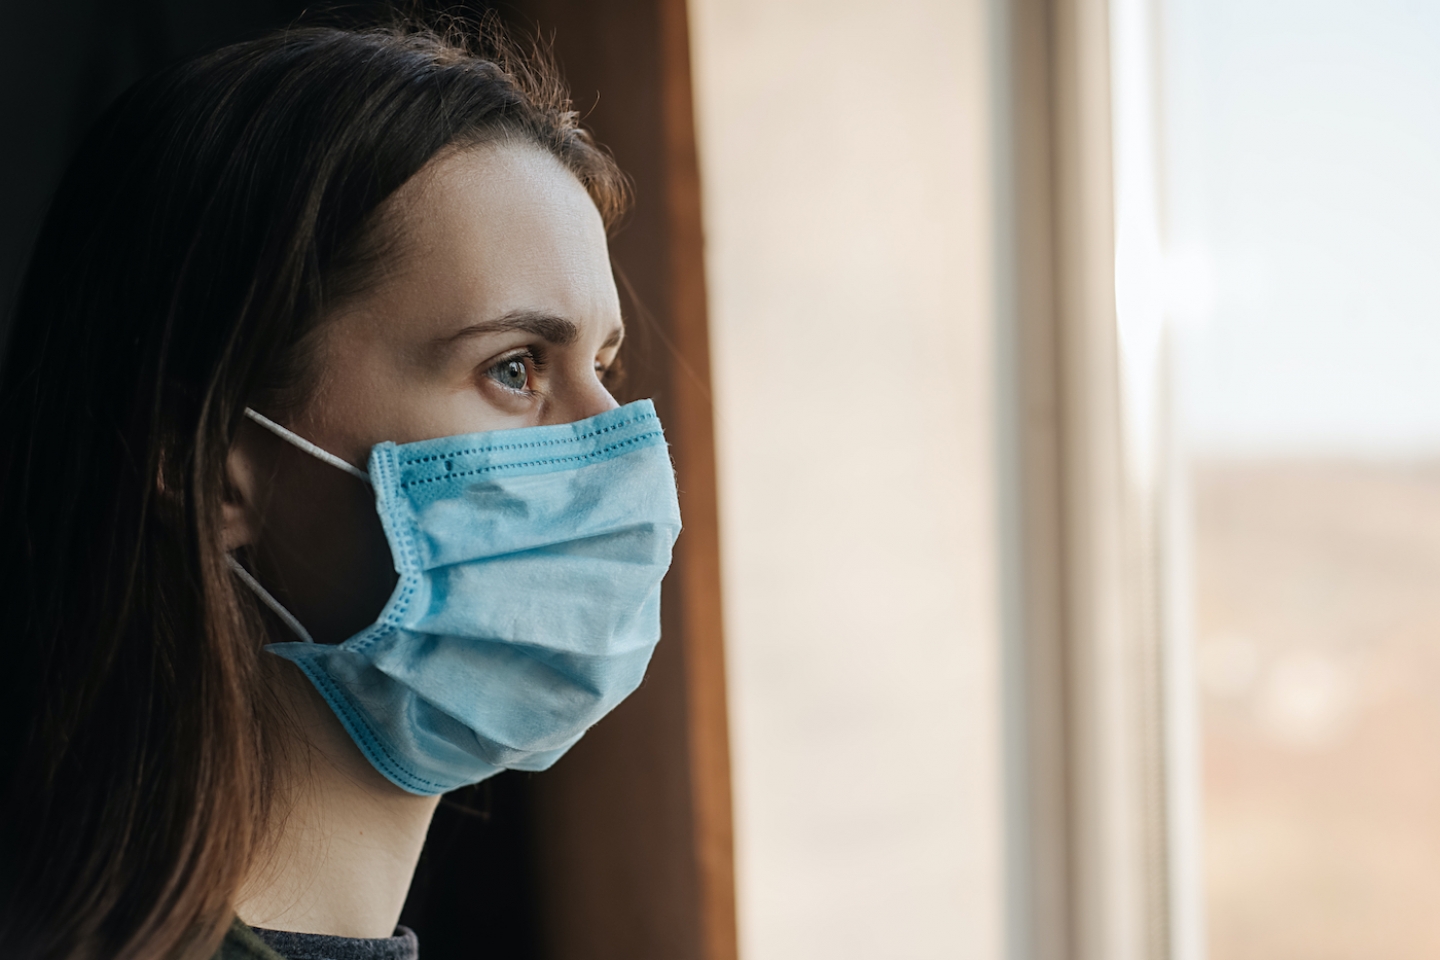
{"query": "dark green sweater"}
(241, 943)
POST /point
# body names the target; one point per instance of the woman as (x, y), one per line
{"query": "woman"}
(314, 502)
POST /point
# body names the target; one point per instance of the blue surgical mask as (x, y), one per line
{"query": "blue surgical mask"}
(528, 600)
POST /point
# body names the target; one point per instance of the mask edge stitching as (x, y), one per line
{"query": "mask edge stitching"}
(428, 458)
(494, 468)
(367, 734)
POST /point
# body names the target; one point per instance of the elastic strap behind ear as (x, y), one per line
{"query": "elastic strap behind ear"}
(245, 577)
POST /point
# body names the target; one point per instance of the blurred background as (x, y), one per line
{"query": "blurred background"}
(1304, 223)
(1053, 392)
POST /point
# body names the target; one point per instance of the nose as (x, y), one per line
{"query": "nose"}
(588, 398)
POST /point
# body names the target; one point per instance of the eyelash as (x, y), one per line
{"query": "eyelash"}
(610, 373)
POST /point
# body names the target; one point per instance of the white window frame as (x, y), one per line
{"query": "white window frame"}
(1101, 781)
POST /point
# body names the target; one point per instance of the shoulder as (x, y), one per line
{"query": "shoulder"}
(241, 943)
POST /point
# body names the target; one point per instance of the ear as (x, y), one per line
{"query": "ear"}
(241, 506)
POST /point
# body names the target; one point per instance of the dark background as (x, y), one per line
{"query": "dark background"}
(61, 63)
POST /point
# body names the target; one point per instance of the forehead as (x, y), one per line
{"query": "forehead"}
(497, 228)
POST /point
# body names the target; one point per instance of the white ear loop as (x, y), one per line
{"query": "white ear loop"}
(295, 625)
(285, 615)
(306, 445)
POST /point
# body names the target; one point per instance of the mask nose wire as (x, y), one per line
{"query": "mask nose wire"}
(306, 445)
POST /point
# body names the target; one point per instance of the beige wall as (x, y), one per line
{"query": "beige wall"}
(844, 152)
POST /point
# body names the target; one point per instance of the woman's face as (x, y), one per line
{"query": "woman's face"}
(497, 309)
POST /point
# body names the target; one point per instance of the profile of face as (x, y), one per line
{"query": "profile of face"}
(496, 308)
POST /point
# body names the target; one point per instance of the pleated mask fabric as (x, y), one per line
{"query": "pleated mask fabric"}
(528, 599)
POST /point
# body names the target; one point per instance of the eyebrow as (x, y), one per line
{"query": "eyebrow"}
(546, 326)
(557, 330)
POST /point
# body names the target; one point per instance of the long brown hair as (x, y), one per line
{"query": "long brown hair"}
(202, 229)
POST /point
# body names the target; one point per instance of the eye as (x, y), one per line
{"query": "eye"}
(610, 374)
(511, 373)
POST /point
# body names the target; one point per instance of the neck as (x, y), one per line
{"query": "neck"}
(344, 842)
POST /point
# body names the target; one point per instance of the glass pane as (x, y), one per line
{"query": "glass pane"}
(1304, 238)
